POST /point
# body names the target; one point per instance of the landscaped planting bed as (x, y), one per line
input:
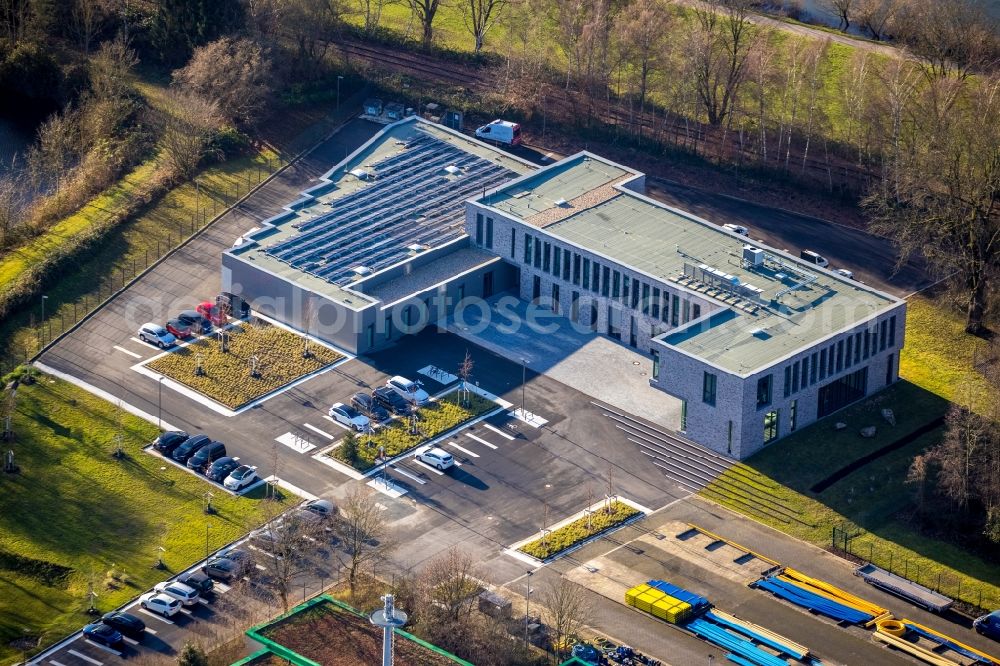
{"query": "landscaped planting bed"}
(227, 377)
(433, 419)
(567, 536)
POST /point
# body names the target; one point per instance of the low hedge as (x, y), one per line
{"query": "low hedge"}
(569, 535)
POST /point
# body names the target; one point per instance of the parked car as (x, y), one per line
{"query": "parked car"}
(104, 634)
(390, 400)
(350, 417)
(241, 477)
(844, 272)
(501, 131)
(814, 258)
(365, 403)
(206, 455)
(160, 604)
(989, 625)
(222, 468)
(198, 323)
(126, 623)
(737, 229)
(435, 457)
(185, 594)
(212, 312)
(321, 507)
(236, 554)
(155, 334)
(179, 329)
(189, 448)
(197, 580)
(409, 390)
(226, 570)
(170, 440)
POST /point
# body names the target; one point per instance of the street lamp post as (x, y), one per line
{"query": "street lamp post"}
(42, 331)
(527, 606)
(524, 377)
(338, 91)
(159, 402)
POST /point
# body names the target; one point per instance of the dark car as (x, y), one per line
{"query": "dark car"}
(989, 625)
(179, 329)
(321, 507)
(225, 569)
(189, 448)
(221, 468)
(391, 400)
(103, 634)
(168, 441)
(364, 403)
(196, 321)
(199, 580)
(206, 455)
(125, 623)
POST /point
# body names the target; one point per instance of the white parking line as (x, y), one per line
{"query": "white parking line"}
(318, 431)
(184, 610)
(221, 588)
(467, 452)
(154, 615)
(151, 631)
(480, 440)
(103, 647)
(261, 568)
(126, 351)
(426, 466)
(85, 657)
(499, 431)
(130, 641)
(407, 474)
(335, 422)
(56, 663)
(144, 344)
(203, 601)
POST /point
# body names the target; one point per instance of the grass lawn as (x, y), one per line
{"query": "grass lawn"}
(773, 486)
(75, 513)
(227, 378)
(573, 533)
(435, 418)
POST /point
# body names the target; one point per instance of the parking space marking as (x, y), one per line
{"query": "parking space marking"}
(56, 663)
(261, 568)
(184, 610)
(464, 450)
(481, 440)
(203, 601)
(144, 344)
(318, 431)
(221, 588)
(296, 443)
(426, 466)
(152, 631)
(498, 431)
(126, 351)
(85, 657)
(154, 615)
(103, 647)
(407, 474)
(130, 641)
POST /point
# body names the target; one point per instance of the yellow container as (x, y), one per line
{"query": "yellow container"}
(645, 601)
(678, 613)
(660, 608)
(631, 594)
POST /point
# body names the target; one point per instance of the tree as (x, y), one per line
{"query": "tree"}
(362, 532)
(190, 124)
(567, 610)
(310, 24)
(349, 447)
(371, 10)
(192, 655)
(450, 585)
(951, 38)
(11, 209)
(642, 32)
(877, 16)
(719, 47)
(842, 8)
(233, 73)
(180, 26)
(425, 11)
(480, 16)
(86, 19)
(111, 69)
(286, 537)
(57, 149)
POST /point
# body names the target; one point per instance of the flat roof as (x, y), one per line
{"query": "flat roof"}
(772, 308)
(401, 193)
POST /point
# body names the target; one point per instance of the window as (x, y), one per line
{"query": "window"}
(842, 392)
(795, 377)
(675, 301)
(614, 323)
(812, 368)
(408, 316)
(847, 355)
(635, 294)
(527, 249)
(632, 332)
(555, 298)
(857, 348)
(830, 356)
(645, 298)
(708, 389)
(556, 260)
(625, 283)
(805, 372)
(513, 242)
(586, 273)
(370, 334)
(576, 269)
(695, 311)
(566, 265)
(788, 381)
(665, 312)
(868, 338)
(597, 275)
(888, 369)
(538, 253)
(656, 363)
(489, 232)
(458, 299)
(840, 355)
(574, 306)
(536, 288)
(388, 327)
(479, 228)
(729, 440)
(684, 415)
(770, 426)
(616, 285)
(686, 308)
(605, 280)
(547, 257)
(656, 302)
(822, 363)
(792, 409)
(883, 329)
(764, 391)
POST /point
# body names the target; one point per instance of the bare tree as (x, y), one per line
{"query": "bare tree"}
(111, 69)
(11, 209)
(642, 32)
(719, 47)
(285, 539)
(57, 149)
(480, 16)
(190, 123)
(371, 10)
(363, 533)
(450, 584)
(877, 16)
(425, 11)
(566, 611)
(86, 18)
(233, 73)
(311, 23)
(843, 9)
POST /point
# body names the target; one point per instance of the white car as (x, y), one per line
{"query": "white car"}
(160, 604)
(846, 273)
(435, 457)
(409, 389)
(185, 594)
(241, 477)
(155, 334)
(350, 417)
(737, 229)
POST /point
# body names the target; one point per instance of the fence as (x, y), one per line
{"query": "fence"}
(860, 545)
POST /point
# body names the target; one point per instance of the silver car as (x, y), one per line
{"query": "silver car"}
(155, 334)
(185, 594)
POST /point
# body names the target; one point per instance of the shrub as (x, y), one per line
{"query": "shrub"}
(569, 535)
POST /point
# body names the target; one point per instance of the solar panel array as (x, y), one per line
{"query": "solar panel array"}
(410, 201)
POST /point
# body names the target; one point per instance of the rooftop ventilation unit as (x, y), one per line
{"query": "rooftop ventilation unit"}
(753, 256)
(361, 270)
(416, 247)
(359, 173)
(452, 169)
(561, 202)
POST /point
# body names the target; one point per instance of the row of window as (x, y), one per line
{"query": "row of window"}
(603, 280)
(839, 356)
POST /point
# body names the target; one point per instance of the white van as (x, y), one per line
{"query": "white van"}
(501, 131)
(814, 258)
